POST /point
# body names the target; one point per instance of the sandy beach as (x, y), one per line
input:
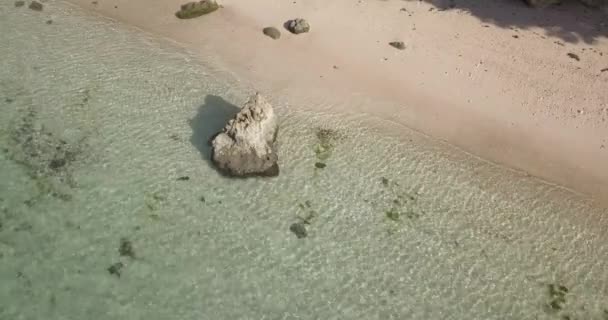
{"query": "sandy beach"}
(517, 86)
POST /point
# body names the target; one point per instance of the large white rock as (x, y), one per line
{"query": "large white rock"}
(246, 145)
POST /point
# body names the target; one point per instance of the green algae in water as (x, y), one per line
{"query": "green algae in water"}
(299, 229)
(320, 165)
(393, 214)
(326, 142)
(557, 295)
(115, 269)
(126, 248)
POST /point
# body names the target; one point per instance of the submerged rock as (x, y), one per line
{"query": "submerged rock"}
(19, 3)
(272, 32)
(36, 6)
(297, 26)
(196, 9)
(246, 145)
(299, 229)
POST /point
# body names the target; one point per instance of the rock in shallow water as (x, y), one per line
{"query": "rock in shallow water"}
(196, 9)
(297, 26)
(246, 145)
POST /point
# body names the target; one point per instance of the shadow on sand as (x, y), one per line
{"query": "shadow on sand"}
(211, 117)
(571, 21)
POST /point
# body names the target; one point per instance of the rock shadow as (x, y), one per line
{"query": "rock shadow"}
(211, 117)
(569, 21)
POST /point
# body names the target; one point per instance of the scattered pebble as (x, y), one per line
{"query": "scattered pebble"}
(49, 22)
(604, 70)
(19, 4)
(299, 229)
(397, 44)
(272, 32)
(574, 56)
(515, 36)
(36, 6)
(57, 163)
(384, 181)
(94, 2)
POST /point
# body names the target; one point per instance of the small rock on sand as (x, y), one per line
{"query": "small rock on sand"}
(397, 44)
(19, 4)
(196, 9)
(574, 56)
(272, 32)
(297, 26)
(36, 6)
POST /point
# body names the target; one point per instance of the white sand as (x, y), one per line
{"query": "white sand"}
(522, 102)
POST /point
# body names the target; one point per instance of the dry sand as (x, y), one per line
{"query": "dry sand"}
(514, 85)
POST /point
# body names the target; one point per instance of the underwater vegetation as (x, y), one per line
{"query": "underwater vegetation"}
(299, 228)
(326, 141)
(46, 157)
(403, 204)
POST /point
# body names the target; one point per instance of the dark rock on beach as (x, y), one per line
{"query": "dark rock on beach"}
(196, 9)
(297, 26)
(272, 32)
(397, 45)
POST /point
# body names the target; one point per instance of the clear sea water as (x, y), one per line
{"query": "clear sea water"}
(109, 208)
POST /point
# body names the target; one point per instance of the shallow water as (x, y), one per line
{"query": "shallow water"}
(99, 123)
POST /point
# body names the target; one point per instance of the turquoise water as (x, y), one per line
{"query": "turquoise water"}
(100, 125)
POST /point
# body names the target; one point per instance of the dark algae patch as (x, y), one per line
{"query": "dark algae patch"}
(115, 269)
(299, 229)
(557, 300)
(46, 157)
(36, 6)
(126, 248)
(402, 204)
(19, 4)
(320, 165)
(325, 144)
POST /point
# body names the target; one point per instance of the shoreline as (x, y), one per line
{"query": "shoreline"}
(538, 110)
